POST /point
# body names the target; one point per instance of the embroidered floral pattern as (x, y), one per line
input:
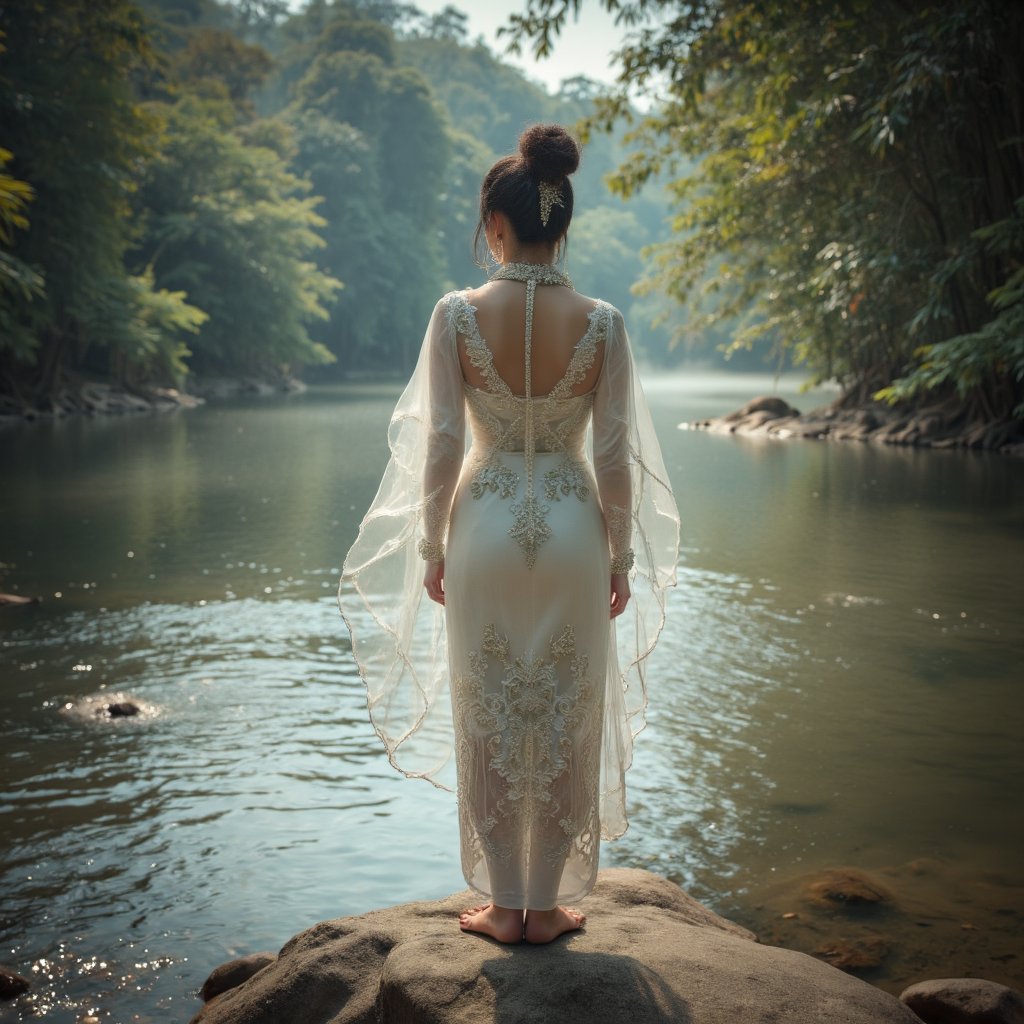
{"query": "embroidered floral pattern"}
(567, 478)
(529, 526)
(535, 721)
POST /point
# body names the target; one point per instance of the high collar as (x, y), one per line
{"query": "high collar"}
(542, 273)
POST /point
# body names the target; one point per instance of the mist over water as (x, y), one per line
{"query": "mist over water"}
(838, 684)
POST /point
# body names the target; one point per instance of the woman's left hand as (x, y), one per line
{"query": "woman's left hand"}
(620, 592)
(433, 580)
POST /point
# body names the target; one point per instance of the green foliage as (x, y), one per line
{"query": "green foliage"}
(843, 171)
(203, 177)
(214, 57)
(20, 285)
(228, 225)
(144, 328)
(76, 133)
(990, 359)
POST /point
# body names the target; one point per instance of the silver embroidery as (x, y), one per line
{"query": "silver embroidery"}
(529, 527)
(619, 522)
(568, 477)
(537, 727)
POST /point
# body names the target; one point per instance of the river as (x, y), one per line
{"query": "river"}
(839, 685)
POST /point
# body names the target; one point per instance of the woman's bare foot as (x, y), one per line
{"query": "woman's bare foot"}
(500, 923)
(545, 925)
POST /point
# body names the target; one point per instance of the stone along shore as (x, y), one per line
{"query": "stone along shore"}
(945, 426)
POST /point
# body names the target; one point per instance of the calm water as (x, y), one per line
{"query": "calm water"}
(839, 685)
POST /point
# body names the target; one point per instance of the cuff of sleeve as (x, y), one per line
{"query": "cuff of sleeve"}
(623, 562)
(430, 551)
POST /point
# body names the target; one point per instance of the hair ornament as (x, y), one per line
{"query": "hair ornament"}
(550, 195)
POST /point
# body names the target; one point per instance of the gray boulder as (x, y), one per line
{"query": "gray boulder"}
(648, 953)
(964, 1001)
(773, 405)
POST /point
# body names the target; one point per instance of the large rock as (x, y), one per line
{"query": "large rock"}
(648, 953)
(964, 1001)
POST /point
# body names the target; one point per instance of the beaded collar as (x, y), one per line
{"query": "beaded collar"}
(542, 273)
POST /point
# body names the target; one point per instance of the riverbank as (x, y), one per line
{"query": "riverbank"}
(938, 426)
(90, 397)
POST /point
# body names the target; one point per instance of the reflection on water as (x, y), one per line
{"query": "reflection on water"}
(838, 686)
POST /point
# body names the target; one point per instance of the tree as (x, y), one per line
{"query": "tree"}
(77, 137)
(228, 224)
(216, 56)
(859, 167)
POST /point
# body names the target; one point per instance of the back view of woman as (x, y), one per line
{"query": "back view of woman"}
(530, 539)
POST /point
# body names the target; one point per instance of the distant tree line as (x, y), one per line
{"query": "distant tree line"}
(197, 186)
(848, 178)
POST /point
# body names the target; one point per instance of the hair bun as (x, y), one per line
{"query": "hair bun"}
(549, 152)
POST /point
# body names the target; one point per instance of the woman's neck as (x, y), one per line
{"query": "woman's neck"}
(537, 252)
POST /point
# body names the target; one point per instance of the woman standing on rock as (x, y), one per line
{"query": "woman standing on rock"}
(529, 545)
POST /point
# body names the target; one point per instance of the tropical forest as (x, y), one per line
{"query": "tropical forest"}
(193, 188)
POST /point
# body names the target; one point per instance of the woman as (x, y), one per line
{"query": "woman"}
(530, 540)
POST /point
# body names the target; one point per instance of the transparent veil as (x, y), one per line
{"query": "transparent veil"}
(398, 635)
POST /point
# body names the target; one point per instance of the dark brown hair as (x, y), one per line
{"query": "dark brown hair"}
(547, 152)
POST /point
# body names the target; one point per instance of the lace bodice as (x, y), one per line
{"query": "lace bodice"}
(498, 417)
(499, 423)
(504, 423)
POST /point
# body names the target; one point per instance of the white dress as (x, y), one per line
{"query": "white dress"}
(554, 491)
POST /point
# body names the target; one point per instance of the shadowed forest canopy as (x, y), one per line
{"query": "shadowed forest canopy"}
(198, 186)
(848, 179)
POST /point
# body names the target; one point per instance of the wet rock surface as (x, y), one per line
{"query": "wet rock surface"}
(75, 397)
(896, 925)
(12, 984)
(109, 707)
(964, 1001)
(649, 953)
(847, 885)
(930, 427)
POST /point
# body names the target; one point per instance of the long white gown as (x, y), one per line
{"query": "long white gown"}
(553, 492)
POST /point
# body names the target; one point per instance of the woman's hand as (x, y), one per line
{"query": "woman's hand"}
(620, 592)
(433, 580)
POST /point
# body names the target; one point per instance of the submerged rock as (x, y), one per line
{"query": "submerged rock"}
(649, 952)
(858, 955)
(107, 707)
(120, 709)
(964, 1001)
(847, 886)
(12, 984)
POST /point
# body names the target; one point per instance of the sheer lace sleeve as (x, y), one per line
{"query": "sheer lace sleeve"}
(612, 419)
(643, 537)
(397, 634)
(446, 431)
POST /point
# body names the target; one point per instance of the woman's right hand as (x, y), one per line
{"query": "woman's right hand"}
(433, 580)
(620, 592)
